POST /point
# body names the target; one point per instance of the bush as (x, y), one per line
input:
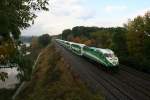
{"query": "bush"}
(44, 40)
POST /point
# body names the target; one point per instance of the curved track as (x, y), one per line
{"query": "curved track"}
(128, 84)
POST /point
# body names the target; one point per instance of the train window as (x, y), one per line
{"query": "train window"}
(87, 48)
(108, 55)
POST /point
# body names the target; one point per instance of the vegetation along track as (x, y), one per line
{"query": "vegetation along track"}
(125, 85)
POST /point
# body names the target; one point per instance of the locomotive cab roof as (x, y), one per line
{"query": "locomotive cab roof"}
(82, 45)
(104, 51)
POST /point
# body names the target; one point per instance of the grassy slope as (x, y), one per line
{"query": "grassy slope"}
(53, 80)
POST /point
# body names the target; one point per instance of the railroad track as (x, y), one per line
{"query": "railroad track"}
(126, 89)
(126, 85)
(134, 72)
(107, 91)
(105, 86)
(102, 84)
(115, 90)
(134, 80)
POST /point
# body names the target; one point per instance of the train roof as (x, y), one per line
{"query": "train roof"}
(72, 42)
(82, 45)
(103, 50)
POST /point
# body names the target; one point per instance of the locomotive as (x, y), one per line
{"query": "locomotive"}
(105, 57)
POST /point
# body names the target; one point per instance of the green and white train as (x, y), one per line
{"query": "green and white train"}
(105, 57)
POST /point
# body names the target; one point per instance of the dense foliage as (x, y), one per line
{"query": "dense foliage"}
(138, 41)
(17, 14)
(44, 40)
(14, 16)
(131, 43)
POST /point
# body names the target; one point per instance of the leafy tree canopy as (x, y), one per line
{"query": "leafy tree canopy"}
(138, 35)
(44, 40)
(18, 14)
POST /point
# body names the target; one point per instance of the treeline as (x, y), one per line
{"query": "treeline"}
(131, 43)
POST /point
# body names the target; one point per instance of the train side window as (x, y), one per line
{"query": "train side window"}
(86, 48)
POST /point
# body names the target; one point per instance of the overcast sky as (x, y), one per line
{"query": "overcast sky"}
(64, 14)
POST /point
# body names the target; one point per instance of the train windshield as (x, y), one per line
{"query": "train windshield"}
(109, 55)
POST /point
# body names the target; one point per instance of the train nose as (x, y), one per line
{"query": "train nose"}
(114, 60)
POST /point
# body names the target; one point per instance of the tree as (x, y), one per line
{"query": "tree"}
(65, 34)
(18, 14)
(14, 16)
(147, 23)
(147, 35)
(44, 40)
(138, 40)
(83, 31)
(7, 51)
(135, 36)
(77, 39)
(147, 47)
(103, 38)
(119, 44)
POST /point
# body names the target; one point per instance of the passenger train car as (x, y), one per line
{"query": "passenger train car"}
(105, 57)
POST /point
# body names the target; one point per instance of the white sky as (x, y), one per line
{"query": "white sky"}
(64, 14)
